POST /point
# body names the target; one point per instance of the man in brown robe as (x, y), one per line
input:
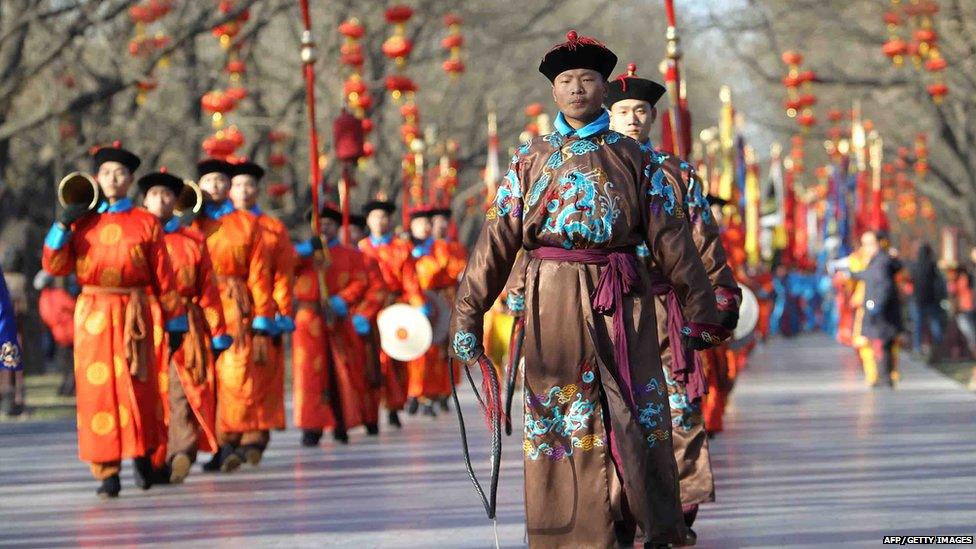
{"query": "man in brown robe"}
(597, 430)
(631, 101)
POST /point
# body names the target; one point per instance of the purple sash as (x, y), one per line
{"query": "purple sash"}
(686, 366)
(616, 281)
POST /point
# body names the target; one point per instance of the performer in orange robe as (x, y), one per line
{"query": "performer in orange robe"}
(367, 309)
(456, 261)
(119, 256)
(328, 362)
(428, 375)
(244, 195)
(399, 271)
(187, 382)
(245, 371)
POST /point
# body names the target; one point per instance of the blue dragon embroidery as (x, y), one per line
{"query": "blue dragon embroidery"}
(689, 413)
(555, 139)
(696, 202)
(578, 194)
(564, 421)
(583, 146)
(464, 345)
(660, 189)
(611, 137)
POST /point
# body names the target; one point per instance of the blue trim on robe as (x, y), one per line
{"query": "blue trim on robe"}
(600, 125)
(221, 343)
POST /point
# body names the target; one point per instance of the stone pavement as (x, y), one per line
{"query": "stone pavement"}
(809, 458)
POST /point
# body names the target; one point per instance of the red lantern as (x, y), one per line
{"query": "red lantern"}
(277, 159)
(925, 35)
(399, 14)
(452, 41)
(792, 58)
(892, 18)
(807, 120)
(367, 125)
(453, 66)
(277, 136)
(835, 115)
(141, 14)
(234, 135)
(147, 85)
(236, 93)
(351, 28)
(807, 76)
(792, 104)
(409, 111)
(938, 91)
(217, 147)
(896, 47)
(409, 131)
(347, 137)
(397, 47)
(353, 85)
(533, 110)
(363, 101)
(452, 19)
(278, 189)
(935, 64)
(368, 149)
(236, 67)
(532, 128)
(807, 100)
(791, 81)
(400, 84)
(352, 59)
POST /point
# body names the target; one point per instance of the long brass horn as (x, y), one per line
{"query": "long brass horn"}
(78, 188)
(190, 200)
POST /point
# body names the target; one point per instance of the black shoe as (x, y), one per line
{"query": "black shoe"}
(253, 454)
(691, 538)
(340, 436)
(230, 459)
(372, 429)
(142, 472)
(213, 465)
(110, 488)
(429, 410)
(310, 439)
(161, 475)
(179, 468)
(412, 406)
(445, 407)
(394, 419)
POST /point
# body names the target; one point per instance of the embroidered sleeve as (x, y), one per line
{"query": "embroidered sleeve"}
(489, 264)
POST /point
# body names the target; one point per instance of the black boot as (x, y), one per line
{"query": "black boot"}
(340, 435)
(372, 429)
(444, 404)
(230, 458)
(394, 419)
(142, 472)
(429, 410)
(412, 406)
(161, 475)
(213, 465)
(110, 488)
(310, 439)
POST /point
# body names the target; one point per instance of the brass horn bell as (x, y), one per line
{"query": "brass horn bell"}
(78, 188)
(190, 200)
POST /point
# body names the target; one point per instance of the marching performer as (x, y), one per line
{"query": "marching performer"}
(399, 271)
(270, 409)
(246, 375)
(119, 256)
(456, 259)
(632, 103)
(427, 376)
(597, 426)
(187, 377)
(329, 358)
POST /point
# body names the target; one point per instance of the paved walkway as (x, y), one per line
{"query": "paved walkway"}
(809, 458)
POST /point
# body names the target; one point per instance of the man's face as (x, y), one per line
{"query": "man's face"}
(214, 186)
(633, 118)
(579, 93)
(378, 222)
(160, 201)
(329, 228)
(355, 234)
(439, 225)
(244, 191)
(869, 244)
(114, 179)
(420, 228)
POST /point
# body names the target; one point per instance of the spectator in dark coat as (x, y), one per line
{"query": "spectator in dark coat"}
(882, 305)
(929, 289)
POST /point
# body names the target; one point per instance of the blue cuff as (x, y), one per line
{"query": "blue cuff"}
(263, 324)
(57, 237)
(339, 306)
(177, 324)
(304, 249)
(221, 343)
(417, 252)
(361, 324)
(284, 324)
(515, 302)
(425, 308)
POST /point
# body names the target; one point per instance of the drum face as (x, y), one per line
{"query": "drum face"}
(748, 314)
(405, 333)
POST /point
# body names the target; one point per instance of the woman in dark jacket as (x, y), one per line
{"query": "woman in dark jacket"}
(929, 291)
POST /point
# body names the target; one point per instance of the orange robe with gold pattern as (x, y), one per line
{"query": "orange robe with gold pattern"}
(245, 379)
(318, 346)
(197, 285)
(116, 256)
(399, 271)
(373, 301)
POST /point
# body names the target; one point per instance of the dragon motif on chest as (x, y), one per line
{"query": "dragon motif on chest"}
(581, 208)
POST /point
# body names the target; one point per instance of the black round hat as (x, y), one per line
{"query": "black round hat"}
(211, 165)
(578, 52)
(161, 177)
(115, 153)
(628, 86)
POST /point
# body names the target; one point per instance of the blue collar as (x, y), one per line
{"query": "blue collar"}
(425, 246)
(647, 145)
(379, 241)
(172, 225)
(255, 210)
(120, 206)
(600, 125)
(216, 211)
(334, 242)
